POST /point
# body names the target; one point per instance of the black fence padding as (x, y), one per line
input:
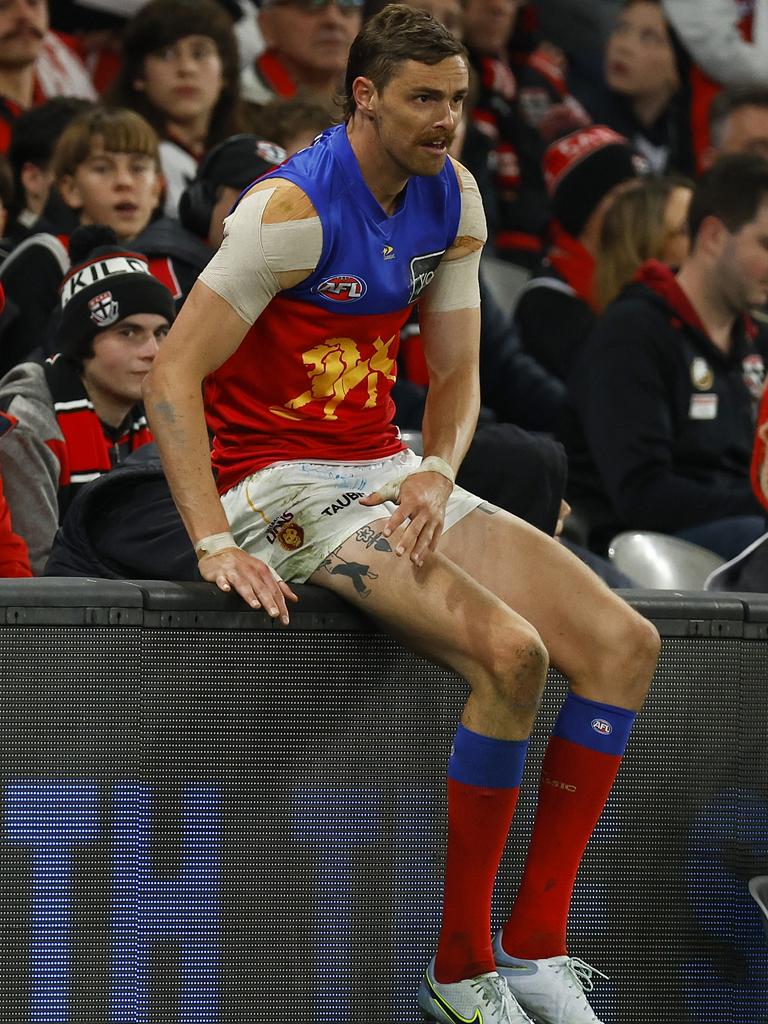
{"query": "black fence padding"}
(207, 818)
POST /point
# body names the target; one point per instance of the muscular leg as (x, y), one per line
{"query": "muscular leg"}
(446, 615)
(608, 652)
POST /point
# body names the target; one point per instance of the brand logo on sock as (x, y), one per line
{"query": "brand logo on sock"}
(556, 784)
(602, 726)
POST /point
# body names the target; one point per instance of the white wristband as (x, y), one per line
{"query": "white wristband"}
(213, 544)
(434, 464)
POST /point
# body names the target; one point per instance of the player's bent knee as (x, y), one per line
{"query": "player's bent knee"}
(627, 656)
(517, 669)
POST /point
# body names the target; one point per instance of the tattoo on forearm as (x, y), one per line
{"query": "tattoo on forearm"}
(167, 411)
(490, 510)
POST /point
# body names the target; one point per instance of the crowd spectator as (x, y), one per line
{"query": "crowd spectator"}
(80, 414)
(106, 167)
(648, 220)
(180, 71)
(14, 557)
(294, 123)
(518, 122)
(727, 41)
(556, 309)
(227, 170)
(35, 205)
(738, 123)
(307, 43)
(645, 95)
(668, 386)
(35, 64)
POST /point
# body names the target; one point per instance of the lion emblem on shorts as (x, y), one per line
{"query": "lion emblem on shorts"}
(290, 536)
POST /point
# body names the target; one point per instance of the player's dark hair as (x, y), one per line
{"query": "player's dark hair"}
(728, 101)
(394, 35)
(732, 190)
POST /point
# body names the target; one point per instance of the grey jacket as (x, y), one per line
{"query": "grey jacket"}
(29, 465)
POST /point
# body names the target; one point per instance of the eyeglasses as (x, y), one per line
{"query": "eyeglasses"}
(345, 6)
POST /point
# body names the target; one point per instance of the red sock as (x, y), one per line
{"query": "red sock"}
(478, 824)
(575, 783)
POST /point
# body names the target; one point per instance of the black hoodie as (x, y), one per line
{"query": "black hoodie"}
(668, 418)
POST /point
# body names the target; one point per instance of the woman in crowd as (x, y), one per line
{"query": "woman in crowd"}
(180, 71)
(648, 220)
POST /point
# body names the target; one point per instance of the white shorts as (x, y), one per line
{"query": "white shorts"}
(292, 515)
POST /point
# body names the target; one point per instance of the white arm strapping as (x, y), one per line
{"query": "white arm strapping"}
(243, 271)
(456, 284)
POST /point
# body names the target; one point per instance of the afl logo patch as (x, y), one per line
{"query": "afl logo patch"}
(343, 288)
(602, 726)
(702, 376)
(290, 536)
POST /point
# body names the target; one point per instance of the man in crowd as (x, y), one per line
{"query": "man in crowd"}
(307, 46)
(320, 266)
(738, 123)
(35, 64)
(668, 386)
(80, 413)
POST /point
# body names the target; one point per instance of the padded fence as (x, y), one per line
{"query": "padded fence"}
(206, 818)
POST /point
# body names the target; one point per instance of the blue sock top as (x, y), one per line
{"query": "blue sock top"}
(484, 761)
(589, 723)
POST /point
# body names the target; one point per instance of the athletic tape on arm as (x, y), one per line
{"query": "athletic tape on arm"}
(243, 271)
(455, 284)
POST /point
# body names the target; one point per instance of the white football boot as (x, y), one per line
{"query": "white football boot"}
(551, 990)
(485, 999)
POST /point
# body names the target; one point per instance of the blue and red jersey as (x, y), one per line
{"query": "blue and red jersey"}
(312, 377)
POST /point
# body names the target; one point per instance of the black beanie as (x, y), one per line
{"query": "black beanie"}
(106, 284)
(581, 168)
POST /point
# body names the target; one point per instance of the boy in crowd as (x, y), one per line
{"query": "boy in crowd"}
(106, 166)
(80, 414)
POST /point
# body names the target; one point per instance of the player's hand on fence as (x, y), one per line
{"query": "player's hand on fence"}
(254, 581)
(419, 516)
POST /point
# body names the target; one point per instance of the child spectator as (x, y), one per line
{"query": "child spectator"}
(106, 167)
(227, 170)
(180, 71)
(646, 95)
(35, 207)
(293, 124)
(80, 414)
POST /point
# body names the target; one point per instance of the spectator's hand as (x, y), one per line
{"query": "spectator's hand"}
(253, 580)
(420, 515)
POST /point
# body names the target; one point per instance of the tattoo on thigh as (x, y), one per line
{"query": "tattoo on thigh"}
(357, 572)
(373, 539)
(488, 508)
